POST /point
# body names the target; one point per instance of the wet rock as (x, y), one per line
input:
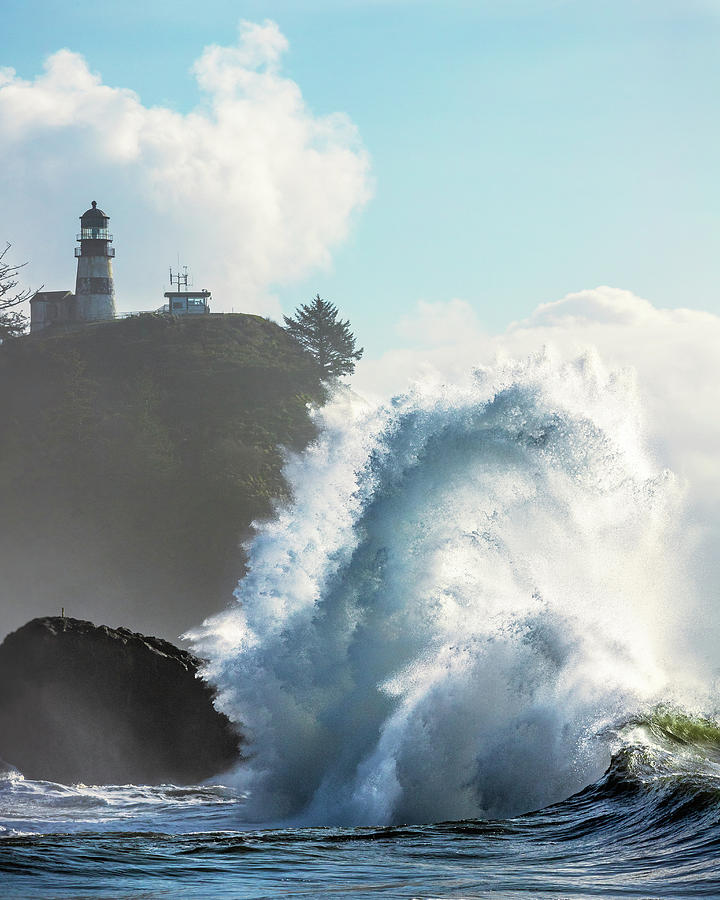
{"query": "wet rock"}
(99, 705)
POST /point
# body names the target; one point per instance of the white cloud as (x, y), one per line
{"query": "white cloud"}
(224, 69)
(604, 304)
(438, 324)
(251, 188)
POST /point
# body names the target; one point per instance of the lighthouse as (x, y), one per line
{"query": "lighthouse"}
(94, 290)
(94, 297)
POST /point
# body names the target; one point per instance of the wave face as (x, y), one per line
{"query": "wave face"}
(472, 584)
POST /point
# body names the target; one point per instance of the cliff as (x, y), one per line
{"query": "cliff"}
(99, 705)
(134, 456)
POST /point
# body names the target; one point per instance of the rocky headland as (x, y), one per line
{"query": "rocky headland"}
(135, 456)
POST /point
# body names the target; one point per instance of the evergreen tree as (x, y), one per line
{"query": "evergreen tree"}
(12, 322)
(316, 327)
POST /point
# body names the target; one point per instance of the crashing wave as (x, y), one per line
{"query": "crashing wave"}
(472, 583)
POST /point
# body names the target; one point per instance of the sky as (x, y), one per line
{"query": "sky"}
(470, 182)
(391, 156)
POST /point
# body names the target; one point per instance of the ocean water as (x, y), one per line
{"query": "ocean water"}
(649, 828)
(463, 661)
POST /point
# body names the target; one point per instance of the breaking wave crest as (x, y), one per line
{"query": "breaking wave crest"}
(472, 586)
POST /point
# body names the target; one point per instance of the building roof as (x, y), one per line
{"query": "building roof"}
(52, 295)
(94, 216)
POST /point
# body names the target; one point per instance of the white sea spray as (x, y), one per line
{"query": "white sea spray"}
(471, 582)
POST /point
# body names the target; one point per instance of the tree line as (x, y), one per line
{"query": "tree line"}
(328, 339)
(13, 323)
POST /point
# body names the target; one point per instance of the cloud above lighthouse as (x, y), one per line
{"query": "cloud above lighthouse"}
(251, 188)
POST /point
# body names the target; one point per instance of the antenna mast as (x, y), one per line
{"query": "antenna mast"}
(180, 279)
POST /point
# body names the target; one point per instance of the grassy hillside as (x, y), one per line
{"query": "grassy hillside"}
(133, 457)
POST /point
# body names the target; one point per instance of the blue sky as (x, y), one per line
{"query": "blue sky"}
(518, 151)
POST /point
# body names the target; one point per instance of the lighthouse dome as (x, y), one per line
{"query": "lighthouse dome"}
(93, 216)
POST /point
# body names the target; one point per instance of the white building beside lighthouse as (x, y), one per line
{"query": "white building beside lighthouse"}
(94, 297)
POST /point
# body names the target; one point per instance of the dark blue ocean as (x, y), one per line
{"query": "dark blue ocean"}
(649, 828)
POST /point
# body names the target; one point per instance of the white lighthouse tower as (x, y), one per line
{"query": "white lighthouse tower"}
(94, 297)
(94, 289)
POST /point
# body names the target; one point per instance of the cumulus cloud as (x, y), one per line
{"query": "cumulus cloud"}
(251, 187)
(604, 304)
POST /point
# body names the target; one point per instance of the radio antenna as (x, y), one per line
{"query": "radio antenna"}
(180, 278)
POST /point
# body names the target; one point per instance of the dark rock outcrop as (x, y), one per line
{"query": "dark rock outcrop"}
(100, 705)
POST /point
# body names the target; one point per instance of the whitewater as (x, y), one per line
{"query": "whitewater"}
(459, 662)
(472, 584)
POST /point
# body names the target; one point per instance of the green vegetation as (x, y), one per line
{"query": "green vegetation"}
(12, 322)
(316, 327)
(134, 456)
